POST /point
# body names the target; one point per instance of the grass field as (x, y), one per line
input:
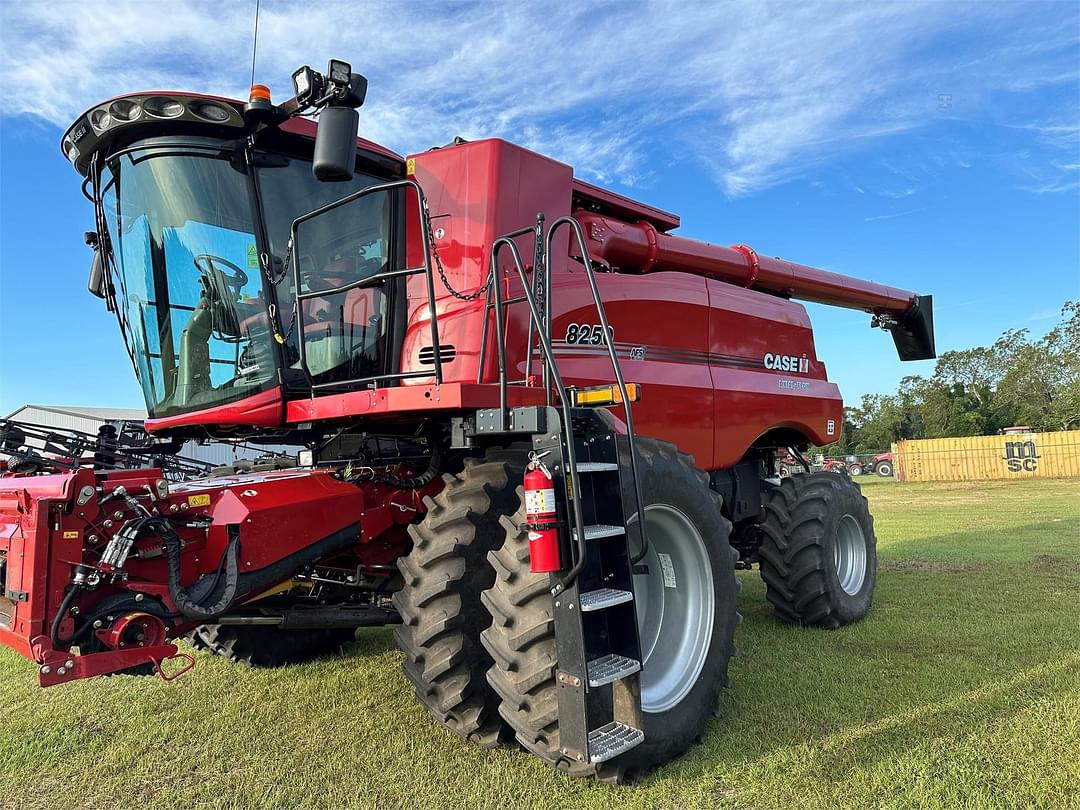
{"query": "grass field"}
(961, 688)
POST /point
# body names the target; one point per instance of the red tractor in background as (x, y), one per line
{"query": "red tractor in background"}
(881, 464)
(536, 430)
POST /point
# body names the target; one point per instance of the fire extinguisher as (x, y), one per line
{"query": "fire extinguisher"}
(541, 519)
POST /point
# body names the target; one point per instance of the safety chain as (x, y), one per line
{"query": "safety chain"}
(280, 338)
(271, 310)
(284, 265)
(442, 272)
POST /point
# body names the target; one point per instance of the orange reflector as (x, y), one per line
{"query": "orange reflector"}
(601, 395)
(259, 92)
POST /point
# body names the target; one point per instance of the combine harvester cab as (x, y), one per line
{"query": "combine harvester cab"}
(536, 429)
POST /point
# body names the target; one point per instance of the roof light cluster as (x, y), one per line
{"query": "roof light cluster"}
(111, 115)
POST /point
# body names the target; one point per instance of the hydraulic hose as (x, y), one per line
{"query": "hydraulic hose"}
(435, 466)
(65, 606)
(183, 601)
(426, 477)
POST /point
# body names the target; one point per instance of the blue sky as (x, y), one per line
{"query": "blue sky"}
(931, 146)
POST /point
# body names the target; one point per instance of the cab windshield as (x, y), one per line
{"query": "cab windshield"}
(190, 289)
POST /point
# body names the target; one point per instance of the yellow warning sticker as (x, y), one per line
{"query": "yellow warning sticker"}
(71, 535)
(198, 500)
(410, 166)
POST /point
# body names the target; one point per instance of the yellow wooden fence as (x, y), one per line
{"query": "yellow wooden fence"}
(980, 458)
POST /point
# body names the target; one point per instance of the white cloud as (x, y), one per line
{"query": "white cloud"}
(893, 216)
(754, 94)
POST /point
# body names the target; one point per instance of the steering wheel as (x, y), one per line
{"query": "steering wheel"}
(210, 267)
(222, 291)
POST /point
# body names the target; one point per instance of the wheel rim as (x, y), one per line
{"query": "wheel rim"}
(675, 623)
(849, 553)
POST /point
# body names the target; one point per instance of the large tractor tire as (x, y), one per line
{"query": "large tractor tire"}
(818, 550)
(687, 632)
(265, 647)
(884, 469)
(444, 575)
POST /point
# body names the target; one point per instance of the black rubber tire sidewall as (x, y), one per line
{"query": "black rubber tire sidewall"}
(849, 501)
(798, 539)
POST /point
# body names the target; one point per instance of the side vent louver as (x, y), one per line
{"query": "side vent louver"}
(447, 353)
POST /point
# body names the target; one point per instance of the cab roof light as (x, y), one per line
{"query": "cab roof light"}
(259, 92)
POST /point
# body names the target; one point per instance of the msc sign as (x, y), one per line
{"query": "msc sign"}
(1021, 456)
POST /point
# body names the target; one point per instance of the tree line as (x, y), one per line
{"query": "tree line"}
(1016, 381)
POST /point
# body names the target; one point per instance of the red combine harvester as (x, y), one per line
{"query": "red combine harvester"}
(491, 371)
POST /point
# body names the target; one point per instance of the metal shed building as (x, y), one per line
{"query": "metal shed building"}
(89, 419)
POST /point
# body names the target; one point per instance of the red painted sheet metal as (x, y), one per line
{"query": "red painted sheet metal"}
(31, 508)
(639, 248)
(698, 348)
(477, 192)
(263, 409)
(409, 401)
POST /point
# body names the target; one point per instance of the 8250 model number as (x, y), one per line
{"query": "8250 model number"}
(590, 334)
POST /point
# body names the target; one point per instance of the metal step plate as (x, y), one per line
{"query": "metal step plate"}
(596, 466)
(596, 531)
(611, 740)
(609, 668)
(603, 598)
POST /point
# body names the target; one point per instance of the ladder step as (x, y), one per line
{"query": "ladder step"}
(610, 668)
(599, 530)
(596, 466)
(611, 740)
(603, 598)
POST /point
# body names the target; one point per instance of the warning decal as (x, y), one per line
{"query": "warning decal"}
(539, 501)
(668, 570)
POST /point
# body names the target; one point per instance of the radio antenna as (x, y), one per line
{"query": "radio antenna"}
(255, 42)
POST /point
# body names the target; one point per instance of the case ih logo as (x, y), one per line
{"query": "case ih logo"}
(787, 362)
(1021, 456)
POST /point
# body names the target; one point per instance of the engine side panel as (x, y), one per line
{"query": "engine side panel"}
(766, 372)
(719, 366)
(477, 192)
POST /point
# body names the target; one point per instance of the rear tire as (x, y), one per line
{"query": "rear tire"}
(521, 638)
(444, 575)
(884, 469)
(267, 647)
(818, 551)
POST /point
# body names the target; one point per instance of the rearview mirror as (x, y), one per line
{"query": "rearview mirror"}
(335, 144)
(96, 283)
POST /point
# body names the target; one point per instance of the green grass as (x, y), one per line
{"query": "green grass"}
(961, 688)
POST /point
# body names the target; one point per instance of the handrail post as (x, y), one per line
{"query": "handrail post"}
(483, 339)
(500, 327)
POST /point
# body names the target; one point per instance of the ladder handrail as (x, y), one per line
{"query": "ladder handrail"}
(590, 274)
(494, 277)
(425, 268)
(564, 401)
